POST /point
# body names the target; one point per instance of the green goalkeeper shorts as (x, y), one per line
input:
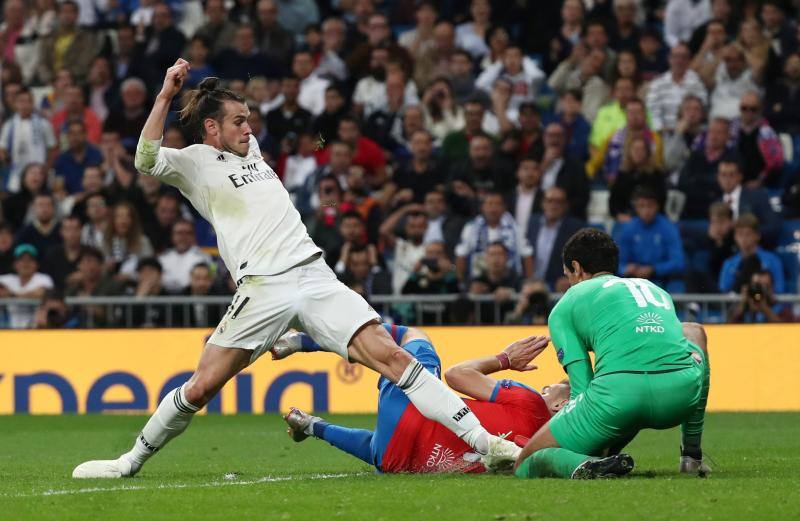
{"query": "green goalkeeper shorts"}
(618, 405)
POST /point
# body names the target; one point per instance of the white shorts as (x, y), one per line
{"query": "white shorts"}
(309, 298)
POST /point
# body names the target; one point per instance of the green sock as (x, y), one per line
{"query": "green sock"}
(692, 428)
(551, 463)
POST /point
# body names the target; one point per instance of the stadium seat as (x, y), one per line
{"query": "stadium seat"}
(790, 233)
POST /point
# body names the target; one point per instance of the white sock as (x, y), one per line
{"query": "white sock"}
(438, 403)
(170, 419)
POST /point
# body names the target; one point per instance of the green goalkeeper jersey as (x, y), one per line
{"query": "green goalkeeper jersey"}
(630, 324)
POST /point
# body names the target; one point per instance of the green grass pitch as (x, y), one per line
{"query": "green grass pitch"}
(270, 477)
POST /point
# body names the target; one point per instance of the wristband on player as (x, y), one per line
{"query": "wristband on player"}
(505, 362)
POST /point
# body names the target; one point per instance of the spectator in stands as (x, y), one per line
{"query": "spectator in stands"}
(79, 155)
(359, 199)
(497, 278)
(721, 11)
(525, 199)
(331, 65)
(75, 109)
(759, 145)
(125, 59)
(371, 91)
(758, 304)
(201, 284)
(61, 260)
(352, 232)
(720, 240)
(166, 212)
(708, 57)
(17, 208)
(178, 261)
(780, 31)
(218, 29)
(650, 245)
(531, 135)
(533, 304)
(418, 176)
(667, 92)
(149, 284)
(275, 42)
(53, 313)
(583, 70)
(244, 60)
(483, 171)
(312, 87)
(128, 117)
(547, 233)
(518, 70)
(435, 61)
(471, 36)
(595, 36)
(443, 225)
(363, 273)
(743, 200)
(782, 100)
(697, 178)
(443, 115)
(289, 119)
(575, 126)
(92, 182)
(737, 270)
(97, 214)
(69, 46)
(378, 34)
(627, 66)
(123, 242)
(498, 39)
(455, 146)
(691, 124)
(682, 17)
(197, 54)
(101, 87)
(492, 225)
(367, 153)
(25, 283)
(756, 47)
(158, 45)
(326, 125)
(653, 55)
(43, 231)
(624, 30)
(323, 225)
(406, 248)
(12, 29)
(570, 33)
(91, 281)
(611, 116)
(432, 274)
(638, 168)
(564, 171)
(732, 80)
(6, 249)
(25, 138)
(420, 39)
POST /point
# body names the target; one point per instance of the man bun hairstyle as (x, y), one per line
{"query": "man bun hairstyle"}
(593, 249)
(206, 101)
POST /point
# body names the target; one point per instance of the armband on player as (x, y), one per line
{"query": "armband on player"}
(146, 154)
(505, 362)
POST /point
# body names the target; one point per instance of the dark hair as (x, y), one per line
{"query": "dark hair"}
(206, 101)
(91, 251)
(593, 249)
(575, 93)
(352, 214)
(358, 248)
(151, 262)
(644, 192)
(747, 220)
(497, 243)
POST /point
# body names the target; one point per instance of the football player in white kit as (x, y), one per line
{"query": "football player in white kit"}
(283, 282)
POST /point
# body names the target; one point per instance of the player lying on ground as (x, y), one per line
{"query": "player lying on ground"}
(282, 279)
(646, 375)
(404, 440)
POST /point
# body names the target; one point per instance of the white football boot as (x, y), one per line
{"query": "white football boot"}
(287, 345)
(690, 465)
(105, 469)
(502, 454)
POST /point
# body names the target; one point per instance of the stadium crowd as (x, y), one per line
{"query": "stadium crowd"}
(431, 147)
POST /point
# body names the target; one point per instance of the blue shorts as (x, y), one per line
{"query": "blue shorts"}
(392, 401)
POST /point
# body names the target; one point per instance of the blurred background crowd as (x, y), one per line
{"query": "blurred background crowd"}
(436, 148)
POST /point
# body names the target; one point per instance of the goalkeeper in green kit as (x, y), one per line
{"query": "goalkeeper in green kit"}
(650, 371)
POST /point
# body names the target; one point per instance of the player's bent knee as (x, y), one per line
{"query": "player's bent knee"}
(696, 334)
(199, 390)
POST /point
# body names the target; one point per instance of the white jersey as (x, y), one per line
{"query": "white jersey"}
(259, 231)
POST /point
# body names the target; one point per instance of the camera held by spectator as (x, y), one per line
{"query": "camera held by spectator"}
(533, 305)
(758, 303)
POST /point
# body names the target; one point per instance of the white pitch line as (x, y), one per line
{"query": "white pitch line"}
(167, 486)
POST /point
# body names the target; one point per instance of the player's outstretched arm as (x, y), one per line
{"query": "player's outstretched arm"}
(150, 140)
(470, 377)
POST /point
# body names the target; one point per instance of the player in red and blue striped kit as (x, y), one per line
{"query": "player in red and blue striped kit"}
(404, 440)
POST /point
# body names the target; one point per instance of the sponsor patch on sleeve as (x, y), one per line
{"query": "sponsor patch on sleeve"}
(560, 354)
